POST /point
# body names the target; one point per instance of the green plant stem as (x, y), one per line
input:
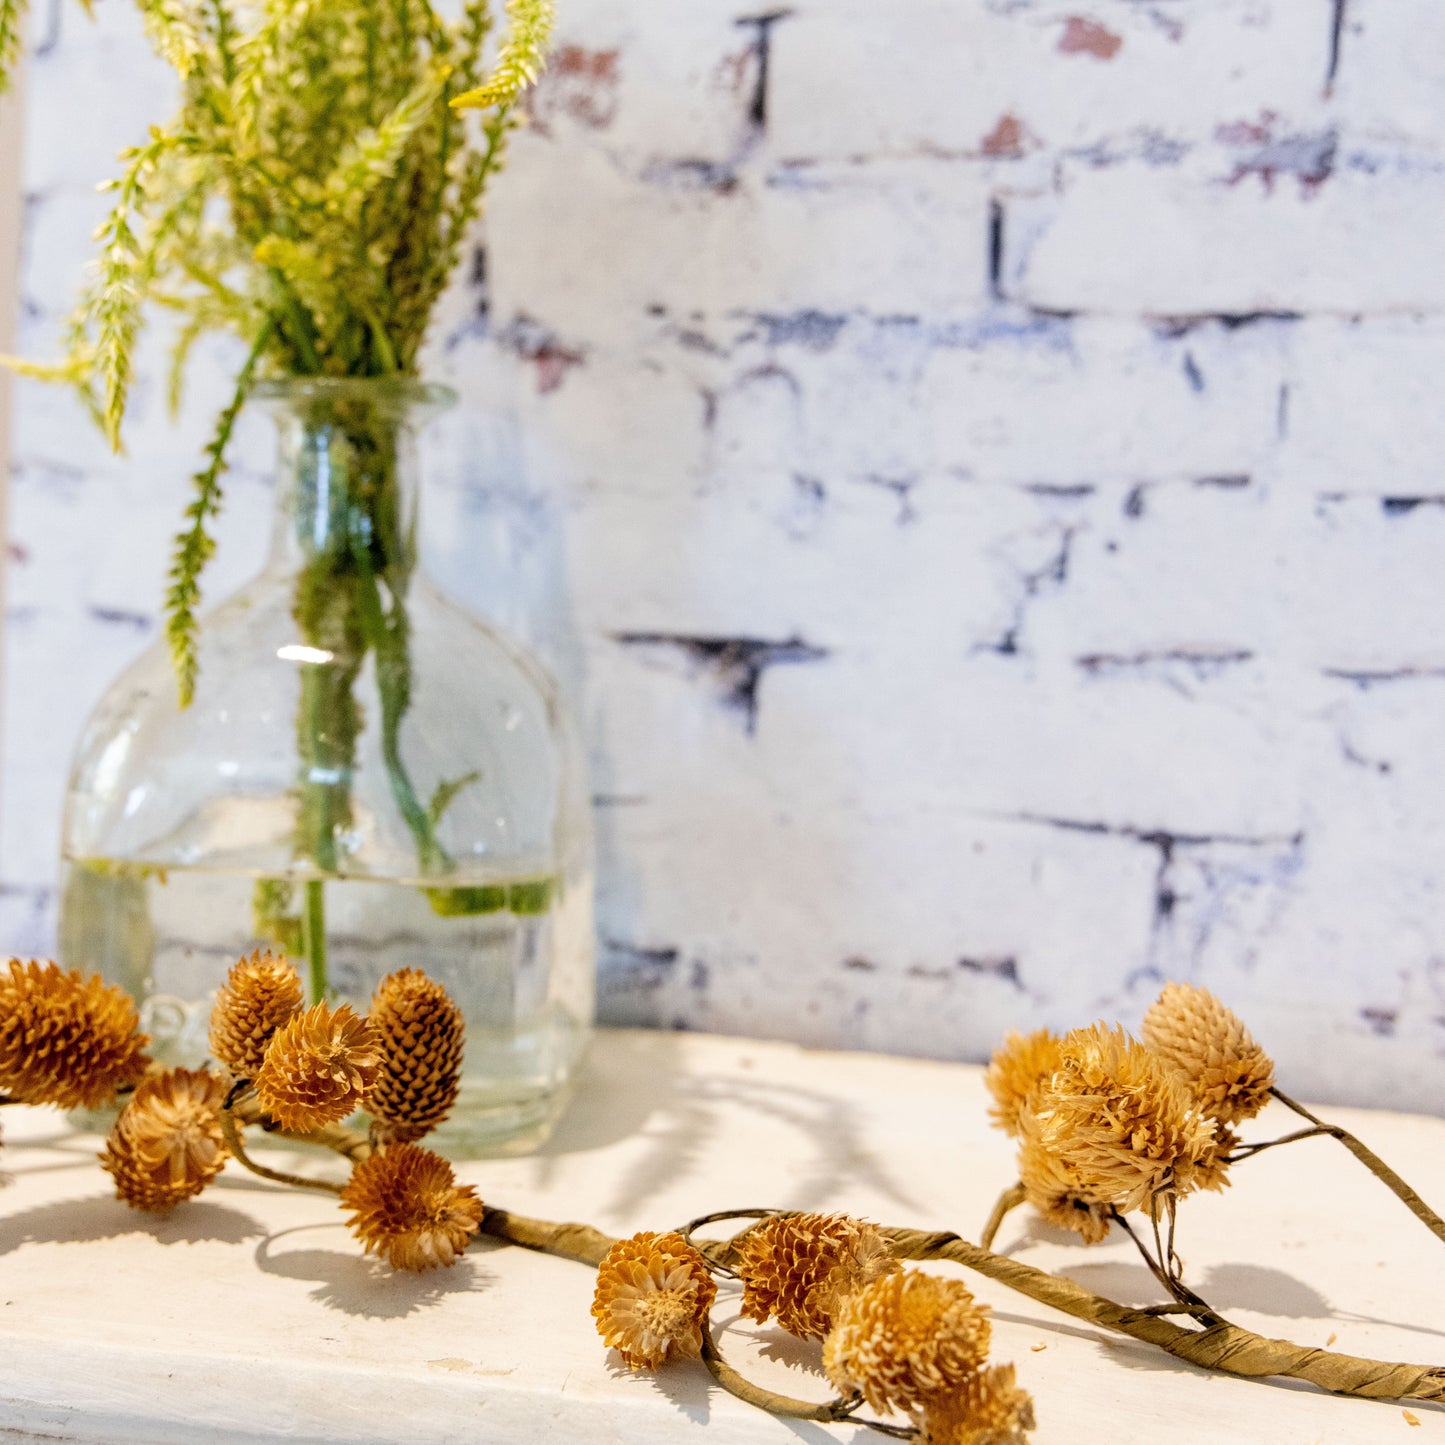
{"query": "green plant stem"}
(313, 938)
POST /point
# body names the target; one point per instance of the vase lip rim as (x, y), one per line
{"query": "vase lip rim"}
(405, 391)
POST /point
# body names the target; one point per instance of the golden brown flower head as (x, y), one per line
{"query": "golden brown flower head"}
(906, 1339)
(1122, 1119)
(653, 1294)
(1020, 1067)
(407, 1206)
(1056, 1189)
(989, 1408)
(420, 1032)
(167, 1145)
(260, 994)
(66, 1039)
(317, 1068)
(799, 1267)
(1230, 1074)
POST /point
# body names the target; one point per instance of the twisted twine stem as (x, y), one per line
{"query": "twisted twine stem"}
(1372, 1161)
(1220, 1345)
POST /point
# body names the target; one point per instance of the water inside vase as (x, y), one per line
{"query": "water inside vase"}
(514, 952)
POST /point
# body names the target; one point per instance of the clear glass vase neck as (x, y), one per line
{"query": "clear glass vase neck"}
(346, 469)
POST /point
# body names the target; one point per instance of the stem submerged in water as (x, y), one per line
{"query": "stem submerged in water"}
(313, 940)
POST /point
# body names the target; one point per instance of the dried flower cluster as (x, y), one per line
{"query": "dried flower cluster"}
(260, 995)
(988, 1409)
(652, 1299)
(406, 1206)
(65, 1039)
(1108, 1124)
(916, 1343)
(318, 1068)
(1020, 1067)
(419, 1033)
(799, 1268)
(167, 1144)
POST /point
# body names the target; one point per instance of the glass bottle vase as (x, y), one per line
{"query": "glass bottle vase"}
(367, 778)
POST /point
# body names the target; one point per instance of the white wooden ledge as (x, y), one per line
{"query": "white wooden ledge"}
(250, 1315)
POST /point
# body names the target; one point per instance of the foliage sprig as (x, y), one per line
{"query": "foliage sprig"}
(310, 195)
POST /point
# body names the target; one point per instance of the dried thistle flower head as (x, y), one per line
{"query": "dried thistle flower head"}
(1020, 1067)
(1229, 1073)
(317, 1068)
(1056, 1189)
(906, 1339)
(167, 1144)
(653, 1294)
(407, 1206)
(419, 1031)
(989, 1408)
(66, 1039)
(799, 1267)
(1122, 1119)
(260, 994)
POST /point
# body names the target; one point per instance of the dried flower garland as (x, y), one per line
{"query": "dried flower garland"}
(1107, 1126)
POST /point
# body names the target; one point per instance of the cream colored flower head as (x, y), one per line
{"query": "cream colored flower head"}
(167, 1144)
(1057, 1190)
(989, 1408)
(906, 1339)
(652, 1298)
(1020, 1067)
(798, 1268)
(1122, 1120)
(406, 1206)
(1229, 1074)
(318, 1068)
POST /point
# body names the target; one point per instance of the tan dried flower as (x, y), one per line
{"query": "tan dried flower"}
(1122, 1119)
(1057, 1190)
(167, 1144)
(1230, 1074)
(989, 1408)
(261, 993)
(799, 1267)
(420, 1033)
(317, 1068)
(653, 1294)
(905, 1339)
(407, 1206)
(66, 1039)
(1020, 1067)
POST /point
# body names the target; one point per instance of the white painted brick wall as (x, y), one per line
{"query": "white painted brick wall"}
(1042, 397)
